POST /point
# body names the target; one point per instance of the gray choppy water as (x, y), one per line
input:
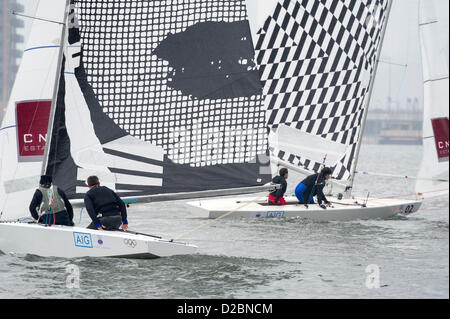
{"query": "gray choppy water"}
(274, 258)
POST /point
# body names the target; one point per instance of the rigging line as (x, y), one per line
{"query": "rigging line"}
(35, 18)
(81, 214)
(393, 63)
(48, 47)
(434, 197)
(216, 219)
(437, 79)
(41, 47)
(398, 88)
(430, 22)
(403, 176)
(404, 195)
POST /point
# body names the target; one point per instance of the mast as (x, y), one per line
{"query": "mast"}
(366, 108)
(55, 90)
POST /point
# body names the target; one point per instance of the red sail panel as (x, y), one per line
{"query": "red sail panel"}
(441, 133)
(32, 125)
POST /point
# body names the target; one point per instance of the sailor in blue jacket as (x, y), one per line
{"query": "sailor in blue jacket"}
(313, 185)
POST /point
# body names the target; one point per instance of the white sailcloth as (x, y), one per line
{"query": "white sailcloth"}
(435, 161)
(19, 171)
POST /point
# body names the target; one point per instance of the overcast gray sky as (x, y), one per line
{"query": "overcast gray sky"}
(401, 46)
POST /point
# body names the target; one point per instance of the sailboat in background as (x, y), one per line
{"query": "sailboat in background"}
(433, 176)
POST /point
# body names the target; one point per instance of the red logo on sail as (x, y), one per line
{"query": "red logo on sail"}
(441, 132)
(32, 124)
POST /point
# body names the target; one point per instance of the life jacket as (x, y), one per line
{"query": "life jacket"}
(51, 201)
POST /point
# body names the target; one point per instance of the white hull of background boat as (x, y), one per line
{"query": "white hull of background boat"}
(342, 210)
(70, 242)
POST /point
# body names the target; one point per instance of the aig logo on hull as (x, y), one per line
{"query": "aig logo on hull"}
(82, 240)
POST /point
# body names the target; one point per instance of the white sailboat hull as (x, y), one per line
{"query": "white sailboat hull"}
(342, 210)
(70, 242)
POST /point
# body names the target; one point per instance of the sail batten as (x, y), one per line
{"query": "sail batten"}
(436, 79)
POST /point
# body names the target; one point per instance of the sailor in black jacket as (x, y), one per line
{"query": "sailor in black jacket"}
(105, 207)
(312, 186)
(276, 197)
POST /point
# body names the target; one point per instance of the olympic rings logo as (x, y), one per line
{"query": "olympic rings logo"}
(130, 242)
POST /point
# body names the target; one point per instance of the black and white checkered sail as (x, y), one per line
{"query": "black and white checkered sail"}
(317, 63)
(176, 96)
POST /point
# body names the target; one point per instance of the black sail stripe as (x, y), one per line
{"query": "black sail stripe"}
(132, 157)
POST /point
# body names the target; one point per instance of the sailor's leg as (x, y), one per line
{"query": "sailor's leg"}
(299, 196)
